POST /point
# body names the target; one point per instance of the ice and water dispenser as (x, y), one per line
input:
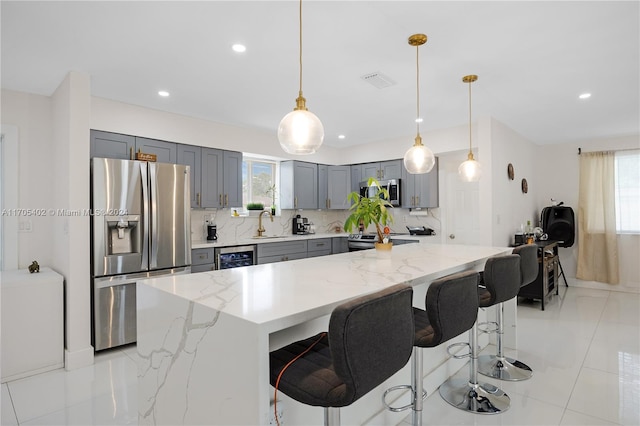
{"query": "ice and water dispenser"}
(124, 235)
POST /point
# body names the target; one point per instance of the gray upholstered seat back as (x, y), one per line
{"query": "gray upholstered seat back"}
(452, 305)
(528, 263)
(502, 278)
(371, 338)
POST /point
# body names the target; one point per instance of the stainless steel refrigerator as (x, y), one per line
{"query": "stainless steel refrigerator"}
(140, 228)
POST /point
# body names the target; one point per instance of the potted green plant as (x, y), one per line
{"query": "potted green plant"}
(272, 191)
(371, 209)
(254, 208)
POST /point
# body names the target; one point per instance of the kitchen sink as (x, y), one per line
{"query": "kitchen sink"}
(266, 237)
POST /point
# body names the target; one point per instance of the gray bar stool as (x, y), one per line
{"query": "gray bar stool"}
(370, 338)
(451, 309)
(470, 395)
(499, 366)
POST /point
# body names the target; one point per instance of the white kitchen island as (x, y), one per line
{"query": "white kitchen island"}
(204, 339)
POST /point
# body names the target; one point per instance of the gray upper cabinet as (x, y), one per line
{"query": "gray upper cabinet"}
(384, 170)
(420, 191)
(298, 185)
(323, 186)
(191, 156)
(232, 178)
(339, 187)
(356, 177)
(221, 178)
(111, 145)
(166, 152)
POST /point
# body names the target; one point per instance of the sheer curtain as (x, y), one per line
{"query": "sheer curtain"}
(597, 239)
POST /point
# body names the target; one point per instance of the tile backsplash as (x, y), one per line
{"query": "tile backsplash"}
(231, 228)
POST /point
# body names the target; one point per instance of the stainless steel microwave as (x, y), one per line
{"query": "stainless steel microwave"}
(391, 185)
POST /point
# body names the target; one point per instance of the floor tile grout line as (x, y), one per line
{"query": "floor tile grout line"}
(595, 330)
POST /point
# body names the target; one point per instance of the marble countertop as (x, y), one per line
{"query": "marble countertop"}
(279, 295)
(241, 241)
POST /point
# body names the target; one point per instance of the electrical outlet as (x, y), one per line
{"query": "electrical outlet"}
(272, 417)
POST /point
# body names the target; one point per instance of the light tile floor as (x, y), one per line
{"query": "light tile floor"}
(584, 350)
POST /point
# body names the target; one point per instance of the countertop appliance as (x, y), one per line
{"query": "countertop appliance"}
(235, 257)
(391, 185)
(140, 227)
(301, 225)
(212, 232)
(420, 230)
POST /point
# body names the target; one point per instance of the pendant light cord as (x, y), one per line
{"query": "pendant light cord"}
(470, 116)
(300, 45)
(417, 90)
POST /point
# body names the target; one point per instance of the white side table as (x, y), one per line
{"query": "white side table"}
(32, 339)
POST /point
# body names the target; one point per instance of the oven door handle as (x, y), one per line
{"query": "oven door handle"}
(361, 245)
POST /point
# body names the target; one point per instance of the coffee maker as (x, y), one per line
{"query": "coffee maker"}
(300, 225)
(212, 232)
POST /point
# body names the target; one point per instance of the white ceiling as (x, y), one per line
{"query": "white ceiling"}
(533, 59)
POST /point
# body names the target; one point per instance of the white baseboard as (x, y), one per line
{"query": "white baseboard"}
(78, 359)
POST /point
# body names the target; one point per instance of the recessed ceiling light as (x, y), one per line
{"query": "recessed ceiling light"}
(419, 120)
(163, 93)
(239, 48)
(585, 96)
(341, 136)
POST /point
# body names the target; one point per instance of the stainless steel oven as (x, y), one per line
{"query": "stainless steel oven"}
(357, 242)
(235, 257)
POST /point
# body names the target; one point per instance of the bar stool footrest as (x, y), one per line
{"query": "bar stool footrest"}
(404, 407)
(484, 327)
(451, 347)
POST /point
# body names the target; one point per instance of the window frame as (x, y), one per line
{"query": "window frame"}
(247, 188)
(622, 210)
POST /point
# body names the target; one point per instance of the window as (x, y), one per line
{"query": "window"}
(627, 170)
(259, 178)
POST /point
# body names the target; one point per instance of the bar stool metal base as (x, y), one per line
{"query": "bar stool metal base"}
(503, 368)
(482, 398)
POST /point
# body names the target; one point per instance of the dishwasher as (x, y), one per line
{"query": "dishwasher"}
(235, 257)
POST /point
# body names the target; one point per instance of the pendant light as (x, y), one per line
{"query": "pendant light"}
(470, 170)
(418, 159)
(300, 131)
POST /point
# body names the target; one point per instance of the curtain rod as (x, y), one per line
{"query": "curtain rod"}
(610, 150)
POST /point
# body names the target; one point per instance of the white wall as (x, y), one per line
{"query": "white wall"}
(31, 115)
(558, 177)
(70, 244)
(510, 206)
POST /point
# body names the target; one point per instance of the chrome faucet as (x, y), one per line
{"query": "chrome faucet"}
(260, 227)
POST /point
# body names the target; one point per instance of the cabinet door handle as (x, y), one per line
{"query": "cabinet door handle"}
(198, 199)
(328, 203)
(295, 202)
(413, 201)
(220, 196)
(226, 199)
(417, 200)
(131, 153)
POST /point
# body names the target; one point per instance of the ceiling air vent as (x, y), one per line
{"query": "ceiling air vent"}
(378, 80)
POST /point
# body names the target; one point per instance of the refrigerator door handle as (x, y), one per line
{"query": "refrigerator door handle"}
(153, 201)
(145, 216)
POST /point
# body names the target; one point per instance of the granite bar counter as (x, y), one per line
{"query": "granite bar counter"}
(204, 339)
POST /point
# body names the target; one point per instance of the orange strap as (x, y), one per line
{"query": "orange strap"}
(275, 393)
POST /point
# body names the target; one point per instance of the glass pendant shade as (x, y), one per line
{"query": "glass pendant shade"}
(470, 170)
(300, 132)
(419, 159)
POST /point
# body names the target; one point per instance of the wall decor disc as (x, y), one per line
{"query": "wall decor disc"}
(525, 186)
(510, 171)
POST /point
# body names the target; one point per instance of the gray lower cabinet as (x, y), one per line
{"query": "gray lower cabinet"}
(339, 245)
(166, 152)
(202, 260)
(420, 191)
(280, 252)
(319, 247)
(191, 156)
(111, 145)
